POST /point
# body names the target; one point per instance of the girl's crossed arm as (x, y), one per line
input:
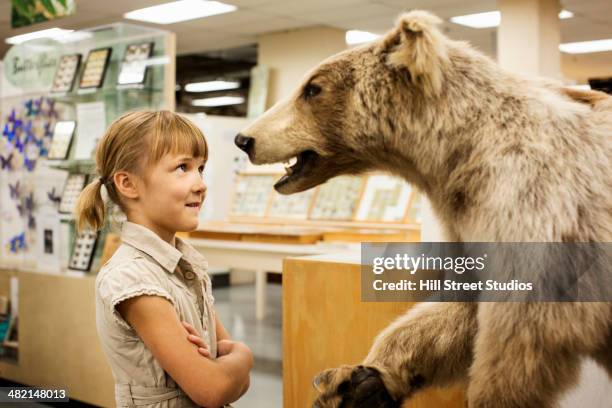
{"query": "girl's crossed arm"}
(210, 383)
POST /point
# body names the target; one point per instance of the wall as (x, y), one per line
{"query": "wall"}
(290, 54)
(223, 159)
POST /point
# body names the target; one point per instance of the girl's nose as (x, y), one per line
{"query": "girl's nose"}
(200, 185)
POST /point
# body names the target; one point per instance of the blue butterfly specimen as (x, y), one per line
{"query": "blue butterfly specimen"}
(38, 105)
(19, 145)
(38, 142)
(31, 221)
(10, 134)
(54, 197)
(29, 133)
(12, 116)
(51, 112)
(17, 124)
(5, 162)
(43, 152)
(29, 163)
(15, 193)
(30, 107)
(21, 208)
(18, 242)
(48, 131)
(26, 207)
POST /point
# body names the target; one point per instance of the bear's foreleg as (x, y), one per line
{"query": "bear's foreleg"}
(603, 355)
(527, 354)
(429, 345)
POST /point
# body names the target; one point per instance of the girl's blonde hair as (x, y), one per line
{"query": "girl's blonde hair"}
(133, 143)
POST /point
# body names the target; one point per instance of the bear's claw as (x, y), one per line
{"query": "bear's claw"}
(363, 387)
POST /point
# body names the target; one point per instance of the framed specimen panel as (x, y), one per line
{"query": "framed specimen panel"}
(83, 251)
(67, 70)
(385, 199)
(252, 193)
(337, 199)
(95, 68)
(74, 185)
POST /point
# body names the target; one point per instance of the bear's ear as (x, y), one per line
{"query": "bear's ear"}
(417, 45)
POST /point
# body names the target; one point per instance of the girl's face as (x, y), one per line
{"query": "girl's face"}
(171, 196)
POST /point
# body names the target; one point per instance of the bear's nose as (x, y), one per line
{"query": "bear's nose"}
(245, 143)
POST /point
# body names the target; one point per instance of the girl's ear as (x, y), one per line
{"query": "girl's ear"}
(126, 184)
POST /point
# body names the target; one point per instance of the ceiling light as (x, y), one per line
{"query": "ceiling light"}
(353, 37)
(211, 86)
(492, 19)
(479, 20)
(182, 10)
(219, 101)
(584, 47)
(53, 33)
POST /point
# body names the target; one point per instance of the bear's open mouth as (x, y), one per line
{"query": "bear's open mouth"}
(304, 162)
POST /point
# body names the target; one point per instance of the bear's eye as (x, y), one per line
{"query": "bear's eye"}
(311, 90)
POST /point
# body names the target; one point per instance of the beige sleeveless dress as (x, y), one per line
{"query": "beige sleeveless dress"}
(145, 264)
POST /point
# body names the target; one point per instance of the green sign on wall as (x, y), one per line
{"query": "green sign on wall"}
(31, 66)
(27, 12)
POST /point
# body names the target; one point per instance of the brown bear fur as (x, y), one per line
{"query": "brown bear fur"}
(501, 158)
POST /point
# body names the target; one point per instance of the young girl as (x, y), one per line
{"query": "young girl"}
(154, 306)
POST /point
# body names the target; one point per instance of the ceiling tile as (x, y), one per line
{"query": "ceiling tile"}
(266, 25)
(250, 4)
(295, 8)
(224, 20)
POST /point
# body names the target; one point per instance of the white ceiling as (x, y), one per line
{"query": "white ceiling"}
(255, 17)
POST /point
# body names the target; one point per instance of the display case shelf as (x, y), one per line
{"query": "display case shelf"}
(32, 103)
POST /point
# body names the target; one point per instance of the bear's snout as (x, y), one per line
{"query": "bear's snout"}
(245, 143)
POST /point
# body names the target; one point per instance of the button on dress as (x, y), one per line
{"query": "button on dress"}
(144, 264)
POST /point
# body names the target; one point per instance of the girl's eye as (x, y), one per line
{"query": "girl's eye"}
(182, 167)
(201, 169)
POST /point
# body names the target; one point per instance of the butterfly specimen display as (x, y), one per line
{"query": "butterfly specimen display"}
(385, 199)
(26, 134)
(66, 73)
(252, 194)
(95, 68)
(337, 199)
(74, 185)
(83, 251)
(62, 139)
(133, 67)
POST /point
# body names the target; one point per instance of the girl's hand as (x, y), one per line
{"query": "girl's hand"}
(224, 347)
(194, 338)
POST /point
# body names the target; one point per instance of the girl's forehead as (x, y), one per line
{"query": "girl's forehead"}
(178, 156)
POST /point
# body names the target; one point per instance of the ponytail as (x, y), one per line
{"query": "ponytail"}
(90, 209)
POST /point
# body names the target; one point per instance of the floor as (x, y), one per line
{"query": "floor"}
(236, 308)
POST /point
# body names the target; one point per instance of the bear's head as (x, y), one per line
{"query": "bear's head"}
(353, 111)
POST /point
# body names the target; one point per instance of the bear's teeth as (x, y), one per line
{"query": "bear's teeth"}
(288, 170)
(292, 161)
